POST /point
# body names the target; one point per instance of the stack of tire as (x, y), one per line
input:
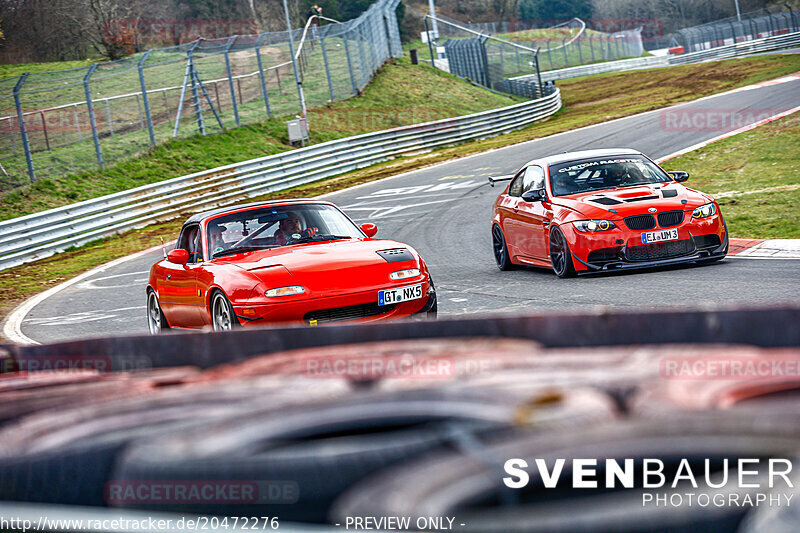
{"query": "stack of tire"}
(418, 428)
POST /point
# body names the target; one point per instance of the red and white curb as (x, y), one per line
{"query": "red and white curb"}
(765, 248)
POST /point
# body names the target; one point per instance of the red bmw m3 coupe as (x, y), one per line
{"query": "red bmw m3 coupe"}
(603, 210)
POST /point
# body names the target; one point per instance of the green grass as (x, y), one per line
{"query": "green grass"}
(586, 101)
(756, 176)
(427, 95)
(8, 71)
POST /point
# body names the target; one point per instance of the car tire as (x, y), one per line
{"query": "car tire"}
(223, 317)
(326, 448)
(156, 322)
(63, 450)
(500, 249)
(463, 482)
(560, 255)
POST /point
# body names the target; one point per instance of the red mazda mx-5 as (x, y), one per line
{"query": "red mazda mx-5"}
(300, 261)
(603, 210)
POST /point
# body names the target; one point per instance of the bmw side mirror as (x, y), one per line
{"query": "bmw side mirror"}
(534, 195)
(679, 175)
(179, 256)
(369, 229)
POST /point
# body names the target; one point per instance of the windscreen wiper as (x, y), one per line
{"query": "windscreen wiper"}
(238, 250)
(318, 238)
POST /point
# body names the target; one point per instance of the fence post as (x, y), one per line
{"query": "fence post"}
(616, 45)
(373, 66)
(538, 72)
(77, 121)
(198, 110)
(769, 21)
(791, 15)
(23, 132)
(564, 51)
(549, 57)
(145, 100)
(350, 63)
(385, 19)
(108, 118)
(430, 45)
(327, 68)
(260, 75)
(92, 121)
(364, 75)
(580, 52)
(231, 40)
(591, 48)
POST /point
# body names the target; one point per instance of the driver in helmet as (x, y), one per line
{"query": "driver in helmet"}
(562, 184)
(290, 226)
(616, 174)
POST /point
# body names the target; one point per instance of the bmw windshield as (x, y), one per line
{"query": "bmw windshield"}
(597, 174)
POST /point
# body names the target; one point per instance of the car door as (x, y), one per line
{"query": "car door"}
(533, 217)
(509, 214)
(178, 292)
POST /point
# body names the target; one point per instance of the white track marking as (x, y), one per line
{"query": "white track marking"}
(80, 317)
(12, 329)
(92, 283)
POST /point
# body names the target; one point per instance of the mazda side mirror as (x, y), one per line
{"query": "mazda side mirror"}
(369, 229)
(179, 256)
(534, 195)
(679, 175)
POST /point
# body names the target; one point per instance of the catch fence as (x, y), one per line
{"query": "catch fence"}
(67, 121)
(748, 26)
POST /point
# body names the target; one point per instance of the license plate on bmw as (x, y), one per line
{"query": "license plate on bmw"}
(658, 236)
(401, 294)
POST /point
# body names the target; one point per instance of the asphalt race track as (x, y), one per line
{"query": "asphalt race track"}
(444, 212)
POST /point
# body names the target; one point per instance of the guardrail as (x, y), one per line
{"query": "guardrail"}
(766, 44)
(599, 68)
(41, 235)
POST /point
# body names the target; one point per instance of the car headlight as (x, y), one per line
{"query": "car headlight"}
(405, 274)
(704, 211)
(285, 291)
(586, 226)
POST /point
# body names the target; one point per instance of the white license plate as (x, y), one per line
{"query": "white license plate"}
(402, 294)
(658, 236)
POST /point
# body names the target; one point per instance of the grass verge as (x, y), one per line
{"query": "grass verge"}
(586, 101)
(755, 177)
(426, 94)
(9, 71)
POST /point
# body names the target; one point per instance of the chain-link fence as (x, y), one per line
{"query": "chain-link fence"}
(567, 44)
(489, 60)
(746, 27)
(67, 121)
